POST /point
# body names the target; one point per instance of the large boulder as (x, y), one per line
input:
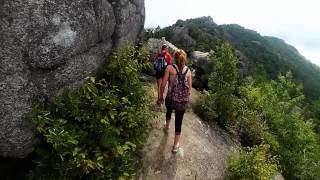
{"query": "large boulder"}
(47, 46)
(202, 61)
(203, 64)
(154, 46)
(180, 35)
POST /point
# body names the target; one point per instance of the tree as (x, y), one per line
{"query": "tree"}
(223, 85)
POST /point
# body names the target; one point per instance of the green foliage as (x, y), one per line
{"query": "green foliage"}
(93, 132)
(315, 108)
(205, 108)
(290, 135)
(275, 55)
(267, 113)
(221, 101)
(252, 163)
(293, 137)
(203, 31)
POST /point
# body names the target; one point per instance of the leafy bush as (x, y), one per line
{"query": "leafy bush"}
(93, 132)
(250, 126)
(223, 85)
(315, 108)
(290, 135)
(205, 108)
(293, 136)
(268, 112)
(252, 163)
(220, 103)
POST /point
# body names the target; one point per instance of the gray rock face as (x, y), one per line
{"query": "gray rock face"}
(46, 46)
(181, 36)
(277, 177)
(154, 45)
(243, 63)
(130, 15)
(204, 65)
(202, 61)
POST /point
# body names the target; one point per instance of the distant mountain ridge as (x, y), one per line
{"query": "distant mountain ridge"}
(271, 53)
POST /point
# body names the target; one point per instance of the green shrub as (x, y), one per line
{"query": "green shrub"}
(290, 135)
(293, 137)
(252, 163)
(268, 112)
(250, 126)
(223, 85)
(315, 108)
(94, 132)
(220, 104)
(205, 108)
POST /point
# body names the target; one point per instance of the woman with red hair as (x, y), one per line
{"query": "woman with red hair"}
(179, 79)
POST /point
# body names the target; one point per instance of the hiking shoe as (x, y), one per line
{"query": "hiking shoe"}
(175, 149)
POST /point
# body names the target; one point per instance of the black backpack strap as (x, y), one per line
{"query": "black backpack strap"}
(175, 67)
(185, 73)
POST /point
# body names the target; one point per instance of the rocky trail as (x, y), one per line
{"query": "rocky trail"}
(203, 154)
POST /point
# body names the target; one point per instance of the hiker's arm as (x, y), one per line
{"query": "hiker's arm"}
(164, 81)
(190, 81)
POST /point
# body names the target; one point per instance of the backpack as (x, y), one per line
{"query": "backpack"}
(160, 64)
(180, 90)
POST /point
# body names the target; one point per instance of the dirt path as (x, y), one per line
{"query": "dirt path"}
(203, 155)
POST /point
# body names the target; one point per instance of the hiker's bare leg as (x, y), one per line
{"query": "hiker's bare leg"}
(159, 82)
(167, 123)
(176, 139)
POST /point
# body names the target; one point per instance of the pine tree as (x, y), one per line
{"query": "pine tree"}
(223, 84)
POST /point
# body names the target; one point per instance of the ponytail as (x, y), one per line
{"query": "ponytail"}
(181, 58)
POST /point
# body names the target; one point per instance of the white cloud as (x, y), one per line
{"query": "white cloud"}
(294, 21)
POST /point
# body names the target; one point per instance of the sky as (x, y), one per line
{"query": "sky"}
(295, 21)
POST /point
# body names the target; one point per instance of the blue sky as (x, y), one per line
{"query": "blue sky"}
(295, 21)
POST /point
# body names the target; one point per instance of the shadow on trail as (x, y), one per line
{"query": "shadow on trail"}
(167, 167)
(161, 152)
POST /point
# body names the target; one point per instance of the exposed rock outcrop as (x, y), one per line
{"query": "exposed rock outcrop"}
(202, 61)
(46, 46)
(181, 36)
(203, 65)
(154, 45)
